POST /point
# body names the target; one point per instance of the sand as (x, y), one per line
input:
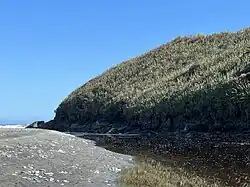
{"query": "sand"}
(35, 157)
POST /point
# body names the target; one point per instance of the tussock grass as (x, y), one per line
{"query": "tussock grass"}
(202, 78)
(153, 174)
(190, 78)
(209, 160)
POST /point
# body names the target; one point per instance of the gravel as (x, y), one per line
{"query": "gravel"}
(34, 157)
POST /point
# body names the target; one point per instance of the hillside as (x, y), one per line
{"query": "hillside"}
(201, 80)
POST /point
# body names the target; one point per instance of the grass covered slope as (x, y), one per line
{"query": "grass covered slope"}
(200, 78)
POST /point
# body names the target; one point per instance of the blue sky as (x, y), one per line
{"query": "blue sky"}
(48, 48)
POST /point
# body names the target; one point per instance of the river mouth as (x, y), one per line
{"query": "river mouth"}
(225, 157)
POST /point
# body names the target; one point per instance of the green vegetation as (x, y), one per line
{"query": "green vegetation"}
(200, 160)
(148, 174)
(201, 78)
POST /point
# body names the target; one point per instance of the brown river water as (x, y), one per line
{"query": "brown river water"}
(223, 156)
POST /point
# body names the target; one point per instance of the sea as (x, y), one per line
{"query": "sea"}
(13, 125)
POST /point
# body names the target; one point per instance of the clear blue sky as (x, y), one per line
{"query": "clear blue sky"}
(50, 47)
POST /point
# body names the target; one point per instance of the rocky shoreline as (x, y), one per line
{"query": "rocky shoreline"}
(171, 125)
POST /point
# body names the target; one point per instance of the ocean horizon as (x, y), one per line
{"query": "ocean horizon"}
(12, 125)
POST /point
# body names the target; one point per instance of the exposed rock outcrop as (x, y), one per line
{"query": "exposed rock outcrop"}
(36, 124)
(42, 125)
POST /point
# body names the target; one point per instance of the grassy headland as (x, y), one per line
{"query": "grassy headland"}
(198, 79)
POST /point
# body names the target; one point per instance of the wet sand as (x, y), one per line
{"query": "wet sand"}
(33, 157)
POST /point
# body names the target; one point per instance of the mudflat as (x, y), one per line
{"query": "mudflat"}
(34, 157)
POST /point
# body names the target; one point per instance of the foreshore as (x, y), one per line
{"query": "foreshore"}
(39, 157)
(35, 157)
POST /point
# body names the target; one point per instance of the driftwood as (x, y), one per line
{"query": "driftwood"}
(118, 135)
(245, 76)
(79, 134)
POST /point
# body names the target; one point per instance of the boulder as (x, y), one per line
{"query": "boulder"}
(48, 125)
(36, 124)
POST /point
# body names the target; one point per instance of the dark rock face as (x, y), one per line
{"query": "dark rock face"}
(62, 126)
(76, 127)
(102, 126)
(48, 125)
(36, 124)
(94, 127)
(42, 125)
